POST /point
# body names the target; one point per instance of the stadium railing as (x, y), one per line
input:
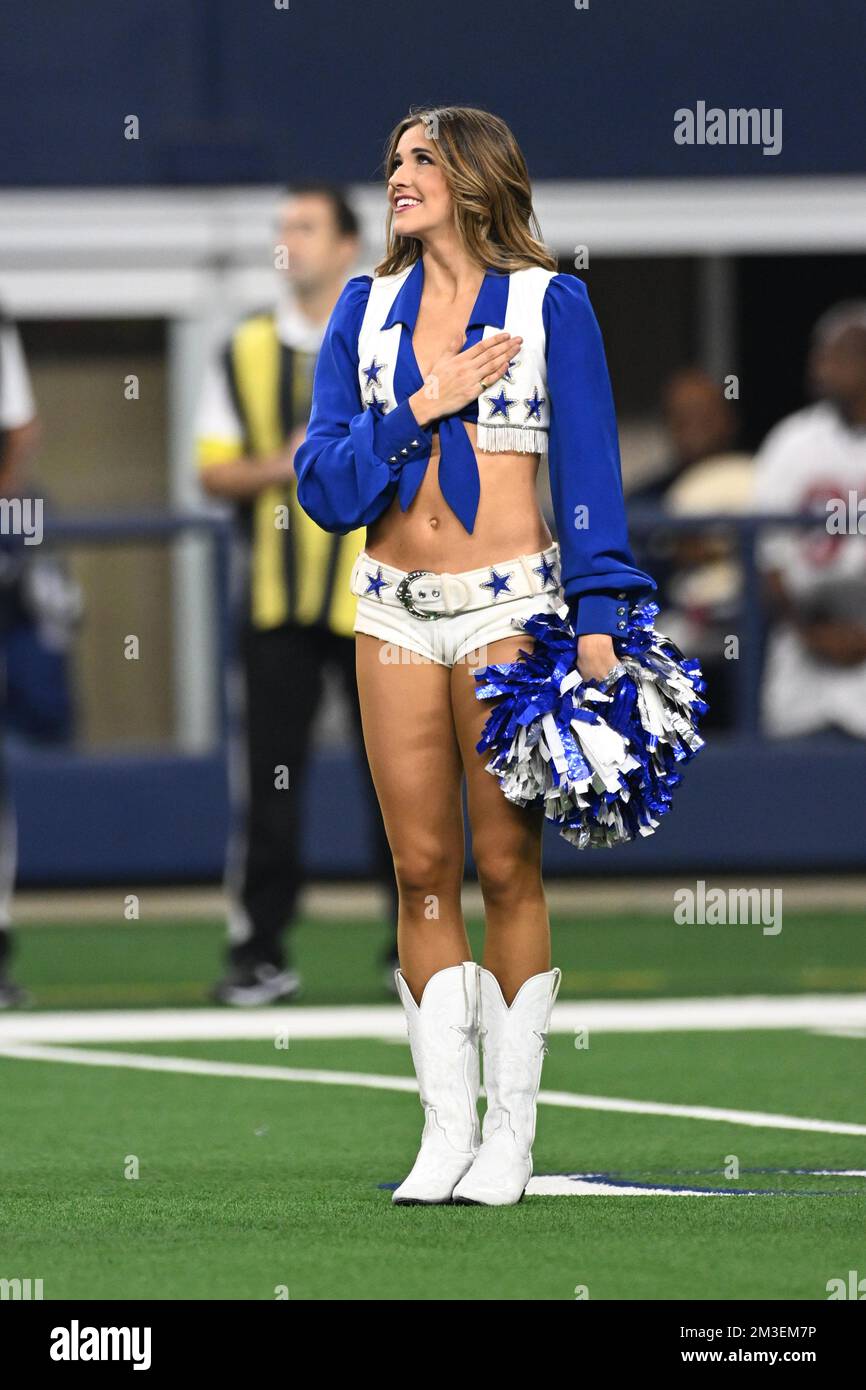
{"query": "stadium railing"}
(112, 817)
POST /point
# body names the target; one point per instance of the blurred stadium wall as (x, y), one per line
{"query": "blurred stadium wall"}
(122, 256)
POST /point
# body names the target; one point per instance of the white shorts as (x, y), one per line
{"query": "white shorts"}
(449, 638)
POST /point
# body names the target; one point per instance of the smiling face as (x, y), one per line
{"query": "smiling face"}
(417, 191)
(457, 184)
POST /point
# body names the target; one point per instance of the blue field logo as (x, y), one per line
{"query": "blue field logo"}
(669, 1183)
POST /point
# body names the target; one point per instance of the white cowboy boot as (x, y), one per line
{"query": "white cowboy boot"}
(515, 1041)
(443, 1036)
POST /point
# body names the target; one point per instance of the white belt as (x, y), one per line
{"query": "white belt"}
(426, 594)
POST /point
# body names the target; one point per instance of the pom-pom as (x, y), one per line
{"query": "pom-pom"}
(603, 758)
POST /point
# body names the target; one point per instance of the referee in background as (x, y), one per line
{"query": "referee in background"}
(19, 435)
(298, 612)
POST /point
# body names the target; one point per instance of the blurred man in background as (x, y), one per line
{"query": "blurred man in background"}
(698, 573)
(18, 439)
(815, 674)
(298, 611)
(700, 422)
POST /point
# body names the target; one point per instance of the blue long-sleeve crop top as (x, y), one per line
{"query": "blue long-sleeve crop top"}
(356, 460)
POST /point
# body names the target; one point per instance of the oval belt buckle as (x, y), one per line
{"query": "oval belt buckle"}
(406, 598)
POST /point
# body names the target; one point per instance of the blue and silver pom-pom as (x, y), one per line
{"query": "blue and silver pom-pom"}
(603, 759)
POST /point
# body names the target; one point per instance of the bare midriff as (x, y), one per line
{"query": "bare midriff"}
(429, 536)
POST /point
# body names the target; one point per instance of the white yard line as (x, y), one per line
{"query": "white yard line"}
(386, 1021)
(199, 1067)
(840, 1032)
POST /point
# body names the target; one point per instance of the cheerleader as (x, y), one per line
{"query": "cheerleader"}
(442, 382)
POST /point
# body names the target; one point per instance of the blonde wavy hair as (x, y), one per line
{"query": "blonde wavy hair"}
(489, 184)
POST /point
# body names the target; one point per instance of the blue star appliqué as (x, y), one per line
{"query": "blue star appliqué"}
(373, 399)
(546, 570)
(375, 583)
(372, 372)
(533, 405)
(507, 373)
(497, 582)
(500, 405)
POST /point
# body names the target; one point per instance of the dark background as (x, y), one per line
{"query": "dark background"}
(236, 90)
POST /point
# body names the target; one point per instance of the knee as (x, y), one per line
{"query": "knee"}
(427, 870)
(506, 872)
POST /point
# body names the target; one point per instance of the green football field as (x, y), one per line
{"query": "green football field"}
(701, 1126)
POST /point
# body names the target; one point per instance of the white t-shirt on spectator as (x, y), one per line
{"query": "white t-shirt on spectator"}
(808, 459)
(17, 406)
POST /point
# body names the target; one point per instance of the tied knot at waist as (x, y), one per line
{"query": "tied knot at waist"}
(459, 482)
(458, 469)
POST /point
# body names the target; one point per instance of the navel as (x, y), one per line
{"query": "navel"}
(434, 522)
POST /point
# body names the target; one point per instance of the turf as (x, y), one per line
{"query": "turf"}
(248, 1186)
(173, 963)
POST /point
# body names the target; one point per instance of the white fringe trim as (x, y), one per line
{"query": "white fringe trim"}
(501, 439)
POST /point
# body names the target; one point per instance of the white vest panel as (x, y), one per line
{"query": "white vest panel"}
(514, 412)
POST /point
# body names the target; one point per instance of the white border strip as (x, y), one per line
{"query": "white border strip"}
(174, 252)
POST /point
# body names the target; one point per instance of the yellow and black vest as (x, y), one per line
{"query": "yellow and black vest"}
(298, 572)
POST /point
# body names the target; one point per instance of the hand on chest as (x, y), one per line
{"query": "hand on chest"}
(440, 328)
(401, 341)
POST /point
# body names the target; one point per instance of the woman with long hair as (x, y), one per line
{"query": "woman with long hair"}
(442, 381)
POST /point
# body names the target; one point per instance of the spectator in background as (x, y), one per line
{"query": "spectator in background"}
(700, 422)
(698, 574)
(815, 671)
(298, 615)
(18, 439)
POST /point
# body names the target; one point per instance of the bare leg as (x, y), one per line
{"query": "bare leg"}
(506, 839)
(417, 772)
